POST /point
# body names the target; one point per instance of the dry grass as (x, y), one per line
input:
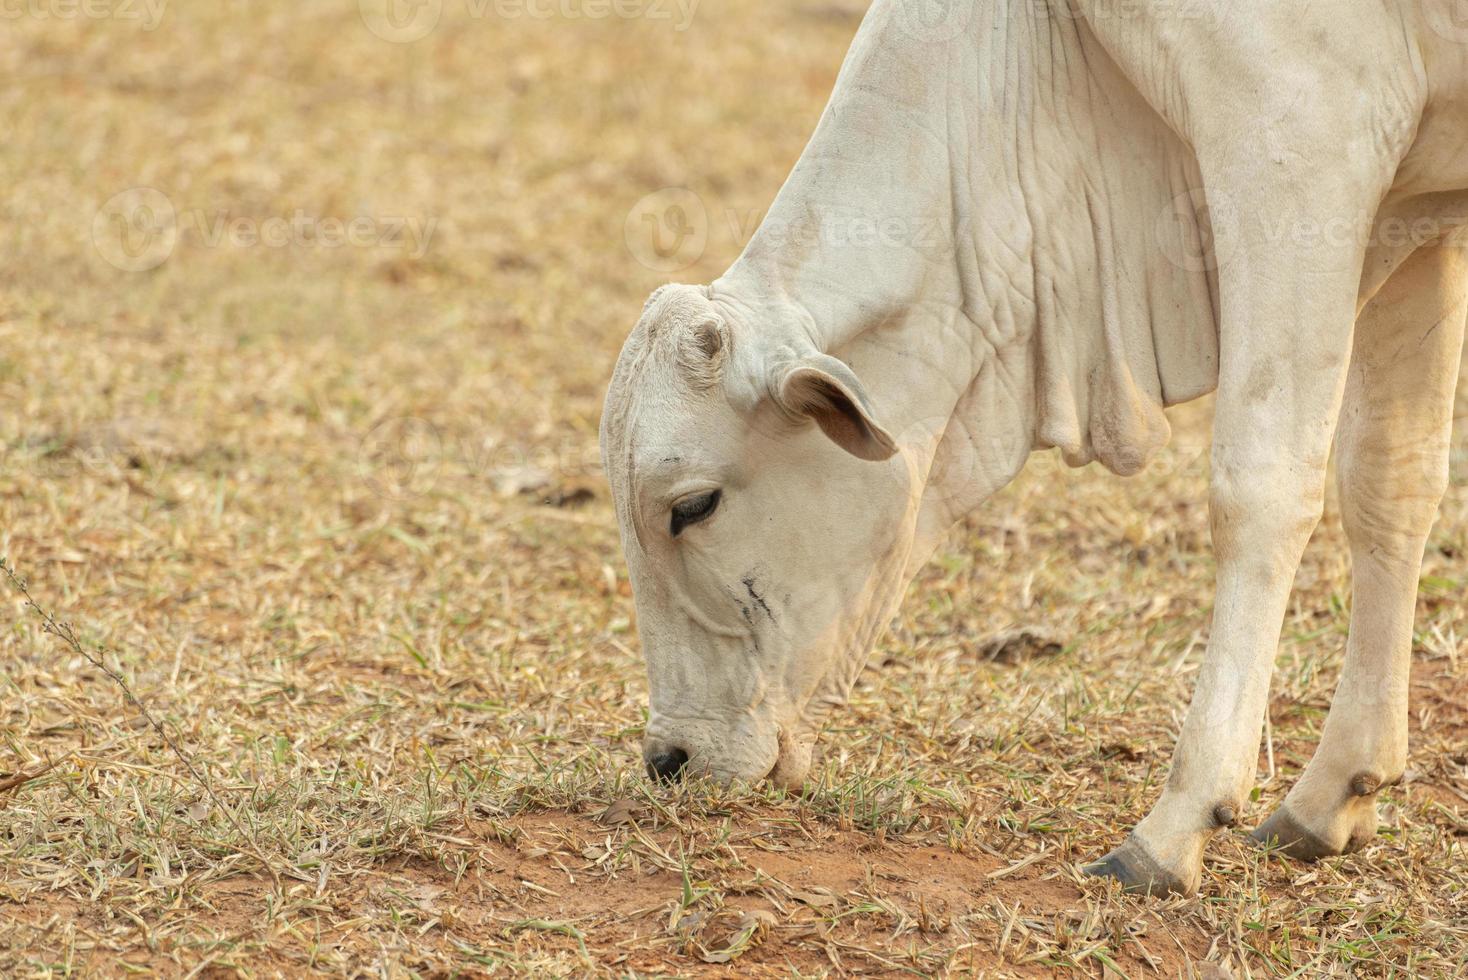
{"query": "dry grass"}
(299, 495)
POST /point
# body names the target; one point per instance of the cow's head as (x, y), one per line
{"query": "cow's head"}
(766, 515)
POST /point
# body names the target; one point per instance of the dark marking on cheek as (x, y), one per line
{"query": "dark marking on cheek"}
(759, 600)
(748, 616)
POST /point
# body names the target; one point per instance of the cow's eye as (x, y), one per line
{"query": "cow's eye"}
(691, 510)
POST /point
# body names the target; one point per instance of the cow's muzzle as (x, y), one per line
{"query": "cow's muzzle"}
(666, 764)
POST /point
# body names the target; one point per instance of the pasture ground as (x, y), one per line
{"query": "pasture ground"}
(335, 514)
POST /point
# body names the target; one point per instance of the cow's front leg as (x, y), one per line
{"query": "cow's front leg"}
(1392, 468)
(1287, 308)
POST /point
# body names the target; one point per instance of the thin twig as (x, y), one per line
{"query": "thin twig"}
(23, 777)
(64, 632)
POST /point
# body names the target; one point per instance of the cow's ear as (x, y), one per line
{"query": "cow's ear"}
(825, 390)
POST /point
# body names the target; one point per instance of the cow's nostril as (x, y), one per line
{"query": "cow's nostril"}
(668, 765)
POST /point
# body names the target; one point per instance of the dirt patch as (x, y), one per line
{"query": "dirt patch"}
(568, 892)
(813, 899)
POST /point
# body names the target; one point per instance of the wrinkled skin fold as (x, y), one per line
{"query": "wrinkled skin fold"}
(1023, 227)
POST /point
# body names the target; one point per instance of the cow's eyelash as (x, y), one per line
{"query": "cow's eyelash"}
(691, 510)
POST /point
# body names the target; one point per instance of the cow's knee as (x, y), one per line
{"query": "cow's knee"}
(1262, 517)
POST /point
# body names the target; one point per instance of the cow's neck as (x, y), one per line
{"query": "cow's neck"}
(989, 230)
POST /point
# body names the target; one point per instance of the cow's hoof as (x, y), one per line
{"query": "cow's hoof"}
(1138, 872)
(1287, 835)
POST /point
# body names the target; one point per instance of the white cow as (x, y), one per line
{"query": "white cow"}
(996, 243)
